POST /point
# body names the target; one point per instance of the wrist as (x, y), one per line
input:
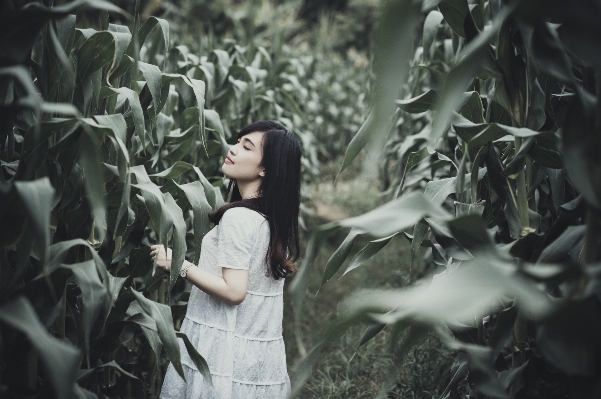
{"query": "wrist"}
(185, 267)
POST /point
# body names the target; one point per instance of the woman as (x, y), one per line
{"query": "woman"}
(234, 315)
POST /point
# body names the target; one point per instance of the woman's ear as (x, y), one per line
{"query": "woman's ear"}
(262, 172)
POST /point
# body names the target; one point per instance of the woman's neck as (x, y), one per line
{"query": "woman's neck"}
(249, 189)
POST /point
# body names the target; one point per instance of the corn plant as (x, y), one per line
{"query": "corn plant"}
(491, 126)
(110, 141)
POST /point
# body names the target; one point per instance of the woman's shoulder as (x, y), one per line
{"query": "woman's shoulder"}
(242, 216)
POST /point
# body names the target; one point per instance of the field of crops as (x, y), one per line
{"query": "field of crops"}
(451, 190)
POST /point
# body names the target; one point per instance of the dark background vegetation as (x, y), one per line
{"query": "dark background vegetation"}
(450, 160)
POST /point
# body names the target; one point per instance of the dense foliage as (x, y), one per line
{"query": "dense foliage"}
(491, 171)
(111, 140)
(483, 131)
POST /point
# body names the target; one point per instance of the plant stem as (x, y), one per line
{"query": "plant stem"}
(529, 176)
(592, 238)
(60, 323)
(32, 369)
(522, 194)
(161, 291)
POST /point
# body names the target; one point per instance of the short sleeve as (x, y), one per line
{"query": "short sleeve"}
(236, 235)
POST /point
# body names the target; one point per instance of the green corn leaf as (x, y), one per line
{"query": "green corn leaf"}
(213, 195)
(414, 159)
(370, 332)
(37, 199)
(208, 70)
(199, 361)
(93, 295)
(174, 171)
(496, 131)
(177, 137)
(151, 334)
(339, 256)
(546, 157)
(122, 37)
(195, 195)
(115, 127)
(162, 316)
(455, 13)
(224, 62)
(581, 163)
(154, 80)
(438, 190)
(550, 54)
(557, 251)
(447, 242)
(422, 103)
(460, 76)
(298, 286)
(369, 250)
(213, 122)
(154, 201)
(419, 234)
(198, 87)
(473, 109)
(60, 360)
(394, 216)
(136, 108)
(431, 25)
(173, 216)
(142, 319)
(115, 285)
(96, 52)
(358, 142)
(145, 30)
(164, 124)
(516, 165)
(66, 66)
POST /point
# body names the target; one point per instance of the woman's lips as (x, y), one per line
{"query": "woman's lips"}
(228, 160)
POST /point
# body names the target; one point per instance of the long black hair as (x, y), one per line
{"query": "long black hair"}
(279, 195)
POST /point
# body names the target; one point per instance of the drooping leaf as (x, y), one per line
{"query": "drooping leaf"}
(394, 216)
(154, 80)
(93, 295)
(147, 27)
(199, 361)
(195, 195)
(455, 12)
(558, 249)
(36, 198)
(339, 256)
(134, 103)
(422, 103)
(172, 215)
(431, 25)
(580, 143)
(368, 251)
(162, 316)
(414, 159)
(60, 359)
(175, 170)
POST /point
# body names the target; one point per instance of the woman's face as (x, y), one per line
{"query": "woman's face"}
(244, 159)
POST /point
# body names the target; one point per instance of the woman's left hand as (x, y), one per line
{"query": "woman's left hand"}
(163, 258)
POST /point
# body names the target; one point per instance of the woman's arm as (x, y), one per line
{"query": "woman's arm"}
(231, 287)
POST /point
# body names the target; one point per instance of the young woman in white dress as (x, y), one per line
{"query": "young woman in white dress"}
(234, 315)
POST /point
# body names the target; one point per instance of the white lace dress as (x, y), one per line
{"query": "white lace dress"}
(242, 344)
